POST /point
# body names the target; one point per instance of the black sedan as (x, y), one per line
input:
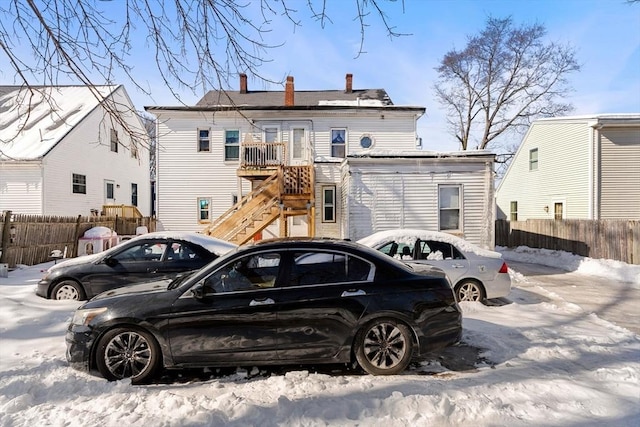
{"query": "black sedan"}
(147, 257)
(282, 302)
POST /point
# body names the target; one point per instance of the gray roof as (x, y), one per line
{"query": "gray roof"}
(301, 98)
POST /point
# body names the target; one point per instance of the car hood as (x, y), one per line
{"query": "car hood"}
(140, 288)
(85, 259)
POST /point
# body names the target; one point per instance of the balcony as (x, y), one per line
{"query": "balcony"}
(259, 160)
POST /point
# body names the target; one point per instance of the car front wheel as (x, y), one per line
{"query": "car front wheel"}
(384, 347)
(68, 289)
(469, 291)
(128, 353)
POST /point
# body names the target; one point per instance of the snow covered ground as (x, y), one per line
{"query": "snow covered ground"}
(542, 361)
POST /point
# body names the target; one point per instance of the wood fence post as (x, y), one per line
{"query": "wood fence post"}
(77, 234)
(6, 236)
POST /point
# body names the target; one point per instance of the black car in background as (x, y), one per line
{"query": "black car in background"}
(150, 256)
(300, 301)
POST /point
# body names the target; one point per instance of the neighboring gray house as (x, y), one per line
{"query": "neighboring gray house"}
(61, 153)
(581, 167)
(245, 165)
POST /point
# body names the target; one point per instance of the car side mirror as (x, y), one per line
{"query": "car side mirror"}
(197, 292)
(111, 262)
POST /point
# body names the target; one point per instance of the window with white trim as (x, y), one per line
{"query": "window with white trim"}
(204, 141)
(338, 143)
(114, 140)
(533, 159)
(449, 207)
(513, 214)
(231, 144)
(79, 183)
(204, 209)
(329, 203)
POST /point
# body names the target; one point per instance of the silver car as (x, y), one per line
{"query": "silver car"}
(475, 273)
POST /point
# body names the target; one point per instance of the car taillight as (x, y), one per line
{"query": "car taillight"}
(504, 268)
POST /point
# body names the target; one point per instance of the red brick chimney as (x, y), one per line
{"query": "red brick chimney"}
(288, 92)
(243, 83)
(349, 86)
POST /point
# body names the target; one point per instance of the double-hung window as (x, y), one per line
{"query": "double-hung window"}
(204, 143)
(329, 203)
(204, 209)
(114, 140)
(338, 142)
(79, 184)
(231, 144)
(513, 214)
(449, 204)
(533, 159)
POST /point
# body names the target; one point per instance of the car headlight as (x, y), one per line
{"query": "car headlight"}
(85, 316)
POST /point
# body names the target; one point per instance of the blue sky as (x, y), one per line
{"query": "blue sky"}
(604, 33)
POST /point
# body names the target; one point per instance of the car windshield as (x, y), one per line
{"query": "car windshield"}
(179, 280)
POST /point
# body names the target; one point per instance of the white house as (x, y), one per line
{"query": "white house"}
(580, 167)
(70, 150)
(246, 164)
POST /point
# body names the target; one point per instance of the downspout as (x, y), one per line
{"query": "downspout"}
(594, 172)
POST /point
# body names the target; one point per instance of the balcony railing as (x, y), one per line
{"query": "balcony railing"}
(263, 155)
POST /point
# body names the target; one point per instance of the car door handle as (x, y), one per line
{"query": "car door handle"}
(353, 293)
(457, 265)
(265, 301)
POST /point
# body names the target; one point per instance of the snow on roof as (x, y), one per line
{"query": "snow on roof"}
(33, 120)
(354, 102)
(409, 236)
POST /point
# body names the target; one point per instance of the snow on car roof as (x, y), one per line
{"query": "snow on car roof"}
(409, 235)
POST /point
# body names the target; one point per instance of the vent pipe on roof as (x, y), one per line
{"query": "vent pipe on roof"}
(243, 83)
(349, 86)
(288, 92)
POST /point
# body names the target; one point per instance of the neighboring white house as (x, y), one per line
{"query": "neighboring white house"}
(244, 164)
(581, 167)
(62, 153)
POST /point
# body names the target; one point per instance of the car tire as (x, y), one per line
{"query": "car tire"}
(128, 353)
(384, 347)
(68, 290)
(469, 290)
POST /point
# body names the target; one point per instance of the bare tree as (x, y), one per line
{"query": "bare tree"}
(197, 44)
(504, 78)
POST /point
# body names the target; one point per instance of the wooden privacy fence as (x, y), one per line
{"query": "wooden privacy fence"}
(608, 239)
(30, 239)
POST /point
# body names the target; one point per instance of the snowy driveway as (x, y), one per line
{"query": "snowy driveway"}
(594, 294)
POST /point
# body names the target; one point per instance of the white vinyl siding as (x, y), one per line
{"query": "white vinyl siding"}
(405, 195)
(184, 176)
(620, 173)
(21, 187)
(86, 150)
(563, 172)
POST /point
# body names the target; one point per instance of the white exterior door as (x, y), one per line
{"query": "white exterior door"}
(299, 147)
(109, 192)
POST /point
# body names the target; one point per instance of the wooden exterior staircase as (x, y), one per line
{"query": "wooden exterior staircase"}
(286, 191)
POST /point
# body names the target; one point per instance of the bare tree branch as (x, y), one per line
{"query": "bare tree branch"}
(504, 78)
(199, 45)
